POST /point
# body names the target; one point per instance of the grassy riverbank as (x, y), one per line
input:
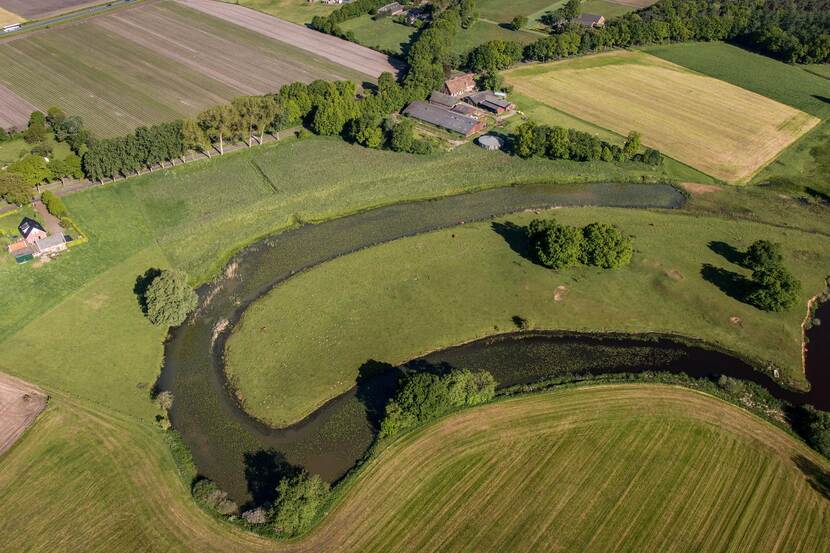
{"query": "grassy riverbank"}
(300, 345)
(693, 470)
(74, 325)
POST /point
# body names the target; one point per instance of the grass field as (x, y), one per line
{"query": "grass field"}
(117, 76)
(722, 130)
(687, 473)
(788, 84)
(296, 11)
(192, 218)
(300, 346)
(381, 34)
(484, 31)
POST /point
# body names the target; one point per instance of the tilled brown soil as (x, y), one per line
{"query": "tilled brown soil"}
(35, 9)
(343, 52)
(20, 404)
(14, 110)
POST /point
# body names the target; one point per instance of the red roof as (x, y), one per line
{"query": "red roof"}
(460, 85)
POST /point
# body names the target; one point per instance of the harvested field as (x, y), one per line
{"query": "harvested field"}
(7, 17)
(718, 128)
(618, 468)
(14, 110)
(20, 404)
(36, 9)
(150, 63)
(347, 54)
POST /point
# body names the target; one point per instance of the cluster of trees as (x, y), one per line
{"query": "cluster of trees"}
(773, 287)
(165, 296)
(796, 31)
(597, 244)
(17, 181)
(531, 140)
(300, 500)
(425, 396)
(818, 429)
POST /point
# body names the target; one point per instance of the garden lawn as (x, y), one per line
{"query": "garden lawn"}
(382, 34)
(74, 324)
(484, 31)
(13, 150)
(718, 128)
(642, 468)
(301, 345)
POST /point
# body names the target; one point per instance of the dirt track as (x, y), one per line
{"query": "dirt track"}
(332, 48)
(20, 404)
(14, 110)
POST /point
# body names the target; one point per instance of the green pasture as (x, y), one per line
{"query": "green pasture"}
(193, 217)
(300, 345)
(382, 34)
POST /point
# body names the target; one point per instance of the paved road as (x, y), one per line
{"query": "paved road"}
(68, 17)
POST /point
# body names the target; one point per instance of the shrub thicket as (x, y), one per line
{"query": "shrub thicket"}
(425, 396)
(818, 430)
(169, 298)
(299, 501)
(208, 494)
(53, 204)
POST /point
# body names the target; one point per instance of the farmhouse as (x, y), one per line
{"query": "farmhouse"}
(50, 245)
(460, 86)
(31, 230)
(590, 20)
(444, 118)
(488, 100)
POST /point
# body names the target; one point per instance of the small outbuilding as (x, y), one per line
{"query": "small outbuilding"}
(490, 142)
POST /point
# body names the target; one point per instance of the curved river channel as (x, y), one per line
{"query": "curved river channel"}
(246, 458)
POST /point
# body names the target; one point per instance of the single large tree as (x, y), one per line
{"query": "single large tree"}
(299, 500)
(14, 188)
(169, 298)
(194, 137)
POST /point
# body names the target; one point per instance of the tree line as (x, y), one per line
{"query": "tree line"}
(794, 31)
(533, 140)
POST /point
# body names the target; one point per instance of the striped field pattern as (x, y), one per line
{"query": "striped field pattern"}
(639, 468)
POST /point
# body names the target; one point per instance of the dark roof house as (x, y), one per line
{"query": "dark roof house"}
(443, 100)
(391, 9)
(590, 20)
(444, 118)
(488, 100)
(31, 230)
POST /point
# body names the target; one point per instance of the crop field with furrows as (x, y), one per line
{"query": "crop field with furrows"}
(148, 64)
(34, 9)
(632, 468)
(721, 129)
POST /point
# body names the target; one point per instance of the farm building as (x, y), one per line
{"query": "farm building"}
(31, 230)
(460, 85)
(50, 245)
(488, 100)
(444, 118)
(443, 100)
(391, 9)
(590, 20)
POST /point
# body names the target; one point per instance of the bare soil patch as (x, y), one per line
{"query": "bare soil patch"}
(698, 188)
(20, 404)
(340, 51)
(14, 110)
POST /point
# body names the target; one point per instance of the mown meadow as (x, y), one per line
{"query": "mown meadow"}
(696, 474)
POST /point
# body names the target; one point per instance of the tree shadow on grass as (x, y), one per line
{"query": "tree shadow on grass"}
(817, 477)
(515, 236)
(824, 99)
(376, 383)
(263, 470)
(732, 284)
(142, 283)
(728, 252)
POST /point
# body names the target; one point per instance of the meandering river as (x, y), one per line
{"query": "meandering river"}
(246, 457)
